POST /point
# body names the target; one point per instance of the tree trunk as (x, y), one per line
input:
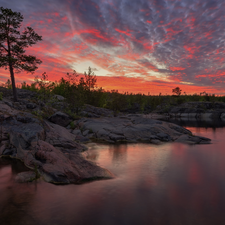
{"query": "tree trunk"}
(13, 82)
(12, 73)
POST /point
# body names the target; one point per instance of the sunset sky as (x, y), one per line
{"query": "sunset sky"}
(134, 45)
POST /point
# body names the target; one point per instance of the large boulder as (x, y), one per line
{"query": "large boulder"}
(138, 128)
(45, 147)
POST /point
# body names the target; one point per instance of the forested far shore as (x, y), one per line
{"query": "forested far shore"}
(79, 90)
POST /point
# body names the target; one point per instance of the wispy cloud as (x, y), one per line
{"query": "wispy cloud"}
(176, 42)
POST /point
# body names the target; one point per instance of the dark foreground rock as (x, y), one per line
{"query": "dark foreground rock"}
(55, 153)
(133, 129)
(60, 118)
(46, 147)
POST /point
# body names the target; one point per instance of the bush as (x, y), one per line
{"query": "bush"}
(79, 90)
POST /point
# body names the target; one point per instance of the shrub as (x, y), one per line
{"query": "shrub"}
(72, 125)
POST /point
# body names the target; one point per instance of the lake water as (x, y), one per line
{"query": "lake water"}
(173, 184)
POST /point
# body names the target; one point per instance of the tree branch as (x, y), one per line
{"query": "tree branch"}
(2, 46)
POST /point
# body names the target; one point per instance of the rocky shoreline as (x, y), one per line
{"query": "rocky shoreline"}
(194, 110)
(135, 129)
(46, 147)
(53, 147)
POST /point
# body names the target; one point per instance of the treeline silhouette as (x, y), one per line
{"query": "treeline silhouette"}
(79, 90)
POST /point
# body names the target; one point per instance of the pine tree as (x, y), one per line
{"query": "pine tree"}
(13, 44)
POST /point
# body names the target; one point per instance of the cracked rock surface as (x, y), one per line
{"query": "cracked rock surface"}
(45, 146)
(136, 128)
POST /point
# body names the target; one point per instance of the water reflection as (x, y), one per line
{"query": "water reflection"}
(119, 153)
(16, 199)
(167, 184)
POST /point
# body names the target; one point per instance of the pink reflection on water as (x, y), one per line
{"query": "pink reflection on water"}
(194, 173)
(167, 184)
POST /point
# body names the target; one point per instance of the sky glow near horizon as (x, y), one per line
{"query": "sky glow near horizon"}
(147, 46)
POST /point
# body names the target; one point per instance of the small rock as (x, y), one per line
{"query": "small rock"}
(76, 132)
(24, 177)
(82, 139)
(59, 97)
(9, 151)
(31, 105)
(222, 116)
(17, 105)
(60, 118)
(156, 142)
(90, 135)
(115, 137)
(8, 103)
(187, 139)
(85, 132)
(59, 105)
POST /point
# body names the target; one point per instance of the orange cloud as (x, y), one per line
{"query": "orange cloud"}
(176, 68)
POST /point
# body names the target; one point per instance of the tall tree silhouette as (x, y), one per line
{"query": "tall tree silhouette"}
(13, 44)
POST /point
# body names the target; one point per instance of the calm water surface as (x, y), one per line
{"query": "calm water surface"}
(173, 184)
